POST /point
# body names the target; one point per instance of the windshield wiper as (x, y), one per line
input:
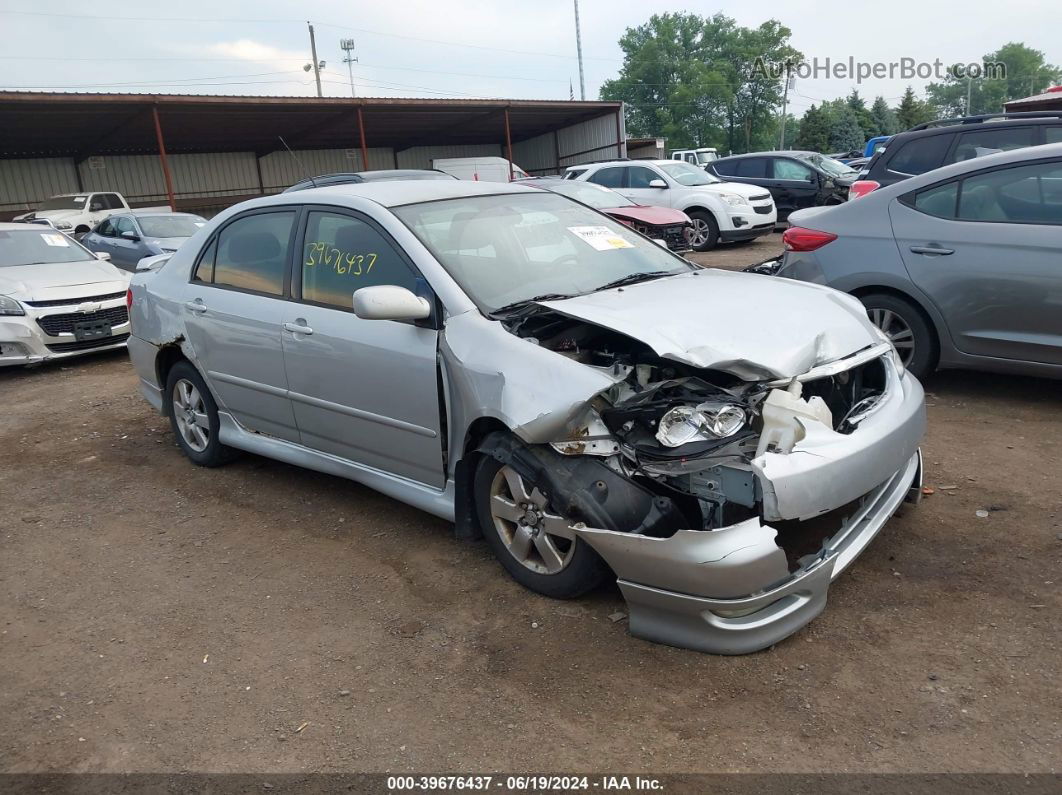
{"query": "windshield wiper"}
(633, 278)
(515, 305)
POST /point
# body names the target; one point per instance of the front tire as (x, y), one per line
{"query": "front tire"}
(194, 417)
(908, 329)
(704, 233)
(531, 541)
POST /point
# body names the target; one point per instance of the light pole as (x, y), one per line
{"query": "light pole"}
(317, 66)
(579, 51)
(347, 46)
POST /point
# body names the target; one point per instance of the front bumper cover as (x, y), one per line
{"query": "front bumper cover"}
(725, 562)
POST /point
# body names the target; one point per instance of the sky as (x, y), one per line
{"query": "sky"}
(492, 48)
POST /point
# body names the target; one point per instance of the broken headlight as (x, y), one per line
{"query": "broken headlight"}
(712, 420)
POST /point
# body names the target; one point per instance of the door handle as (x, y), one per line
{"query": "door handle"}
(298, 328)
(196, 306)
(932, 250)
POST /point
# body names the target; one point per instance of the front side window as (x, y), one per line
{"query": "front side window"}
(123, 225)
(609, 177)
(503, 249)
(640, 176)
(790, 169)
(989, 141)
(575, 173)
(920, 155)
(342, 254)
(1025, 194)
(253, 251)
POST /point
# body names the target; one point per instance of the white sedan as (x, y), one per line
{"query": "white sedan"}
(57, 298)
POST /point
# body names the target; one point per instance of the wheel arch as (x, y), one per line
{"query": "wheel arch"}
(903, 295)
(465, 524)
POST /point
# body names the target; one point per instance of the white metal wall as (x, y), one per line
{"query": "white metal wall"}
(24, 183)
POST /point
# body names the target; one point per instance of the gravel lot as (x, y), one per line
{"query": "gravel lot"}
(160, 617)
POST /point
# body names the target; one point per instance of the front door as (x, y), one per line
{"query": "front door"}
(365, 390)
(638, 190)
(794, 185)
(125, 251)
(233, 310)
(987, 250)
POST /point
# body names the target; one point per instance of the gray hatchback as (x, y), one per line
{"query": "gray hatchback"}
(960, 267)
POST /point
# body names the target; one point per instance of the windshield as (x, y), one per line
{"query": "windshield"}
(706, 157)
(687, 174)
(65, 203)
(170, 225)
(38, 245)
(503, 249)
(834, 168)
(596, 196)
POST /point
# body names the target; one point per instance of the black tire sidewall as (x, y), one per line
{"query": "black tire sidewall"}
(585, 572)
(713, 228)
(924, 360)
(215, 453)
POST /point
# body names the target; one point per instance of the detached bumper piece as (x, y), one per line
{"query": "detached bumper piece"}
(706, 605)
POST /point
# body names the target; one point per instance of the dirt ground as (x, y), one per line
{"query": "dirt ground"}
(160, 617)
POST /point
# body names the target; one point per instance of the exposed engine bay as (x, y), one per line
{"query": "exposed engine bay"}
(670, 446)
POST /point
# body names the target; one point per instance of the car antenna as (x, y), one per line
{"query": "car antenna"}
(297, 161)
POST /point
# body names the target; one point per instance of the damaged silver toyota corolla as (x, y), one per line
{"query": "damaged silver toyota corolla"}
(509, 359)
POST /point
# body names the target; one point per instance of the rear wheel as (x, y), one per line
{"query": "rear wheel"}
(704, 233)
(907, 329)
(533, 542)
(194, 417)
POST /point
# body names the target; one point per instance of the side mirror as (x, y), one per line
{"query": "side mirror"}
(389, 302)
(657, 183)
(103, 255)
(131, 236)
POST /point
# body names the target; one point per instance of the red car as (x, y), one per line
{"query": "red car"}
(659, 223)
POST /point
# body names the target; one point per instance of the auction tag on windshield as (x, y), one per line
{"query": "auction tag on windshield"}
(55, 240)
(600, 237)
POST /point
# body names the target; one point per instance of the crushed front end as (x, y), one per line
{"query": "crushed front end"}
(725, 506)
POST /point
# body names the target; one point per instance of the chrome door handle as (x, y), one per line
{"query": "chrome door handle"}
(195, 306)
(298, 328)
(932, 250)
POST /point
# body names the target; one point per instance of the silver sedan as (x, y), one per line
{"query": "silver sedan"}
(518, 363)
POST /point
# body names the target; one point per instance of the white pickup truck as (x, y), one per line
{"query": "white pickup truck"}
(77, 213)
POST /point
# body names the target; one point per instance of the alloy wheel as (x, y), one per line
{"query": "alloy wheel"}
(698, 233)
(897, 330)
(538, 539)
(190, 413)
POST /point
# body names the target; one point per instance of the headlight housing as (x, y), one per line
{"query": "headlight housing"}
(9, 306)
(897, 360)
(712, 420)
(734, 200)
(63, 225)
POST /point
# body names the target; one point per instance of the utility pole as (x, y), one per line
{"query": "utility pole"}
(969, 90)
(316, 65)
(347, 46)
(579, 51)
(785, 99)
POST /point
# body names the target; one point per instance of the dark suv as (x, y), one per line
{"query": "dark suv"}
(945, 141)
(794, 179)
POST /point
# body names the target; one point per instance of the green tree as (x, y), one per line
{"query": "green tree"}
(1027, 72)
(693, 79)
(883, 119)
(814, 133)
(863, 116)
(912, 110)
(845, 131)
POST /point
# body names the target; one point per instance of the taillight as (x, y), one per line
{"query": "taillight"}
(861, 188)
(129, 298)
(797, 238)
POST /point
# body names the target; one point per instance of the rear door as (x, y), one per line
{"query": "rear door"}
(987, 249)
(364, 390)
(233, 310)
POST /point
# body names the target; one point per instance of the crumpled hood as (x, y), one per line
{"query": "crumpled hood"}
(61, 280)
(649, 214)
(752, 326)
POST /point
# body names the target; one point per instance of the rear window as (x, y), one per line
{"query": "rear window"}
(920, 155)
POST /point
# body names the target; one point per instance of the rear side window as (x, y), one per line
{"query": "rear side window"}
(253, 251)
(342, 254)
(725, 167)
(940, 201)
(790, 169)
(106, 228)
(204, 271)
(578, 172)
(753, 167)
(920, 155)
(609, 177)
(979, 143)
(1052, 135)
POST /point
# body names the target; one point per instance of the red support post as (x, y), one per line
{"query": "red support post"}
(162, 158)
(509, 144)
(364, 148)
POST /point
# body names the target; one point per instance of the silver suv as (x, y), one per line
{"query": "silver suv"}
(549, 379)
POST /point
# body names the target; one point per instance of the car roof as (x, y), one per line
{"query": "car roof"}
(948, 126)
(392, 193)
(772, 153)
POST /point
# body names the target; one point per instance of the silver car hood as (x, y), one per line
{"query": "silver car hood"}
(755, 327)
(171, 243)
(48, 281)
